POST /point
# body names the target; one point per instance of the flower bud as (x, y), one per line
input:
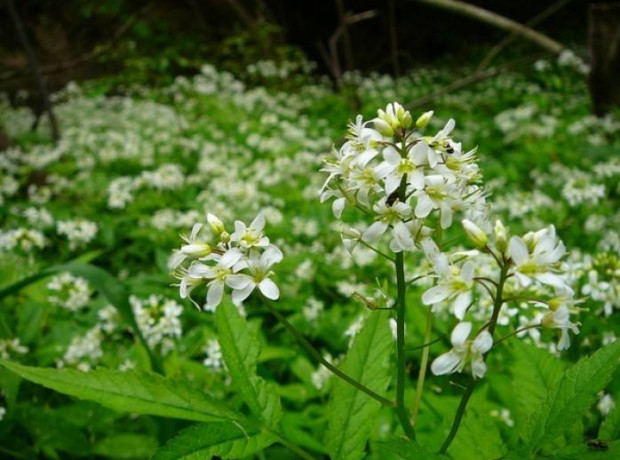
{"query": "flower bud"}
(475, 234)
(196, 250)
(548, 320)
(406, 121)
(501, 237)
(216, 224)
(555, 303)
(225, 237)
(383, 127)
(424, 119)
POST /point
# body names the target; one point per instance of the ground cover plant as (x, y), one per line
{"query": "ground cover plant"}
(427, 283)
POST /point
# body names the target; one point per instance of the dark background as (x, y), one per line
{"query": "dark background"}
(91, 38)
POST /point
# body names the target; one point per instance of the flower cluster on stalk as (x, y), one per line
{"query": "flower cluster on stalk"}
(411, 184)
(241, 261)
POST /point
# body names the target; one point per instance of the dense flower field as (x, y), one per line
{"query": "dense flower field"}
(98, 287)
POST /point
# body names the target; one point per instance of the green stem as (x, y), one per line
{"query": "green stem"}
(460, 412)
(316, 355)
(401, 307)
(423, 365)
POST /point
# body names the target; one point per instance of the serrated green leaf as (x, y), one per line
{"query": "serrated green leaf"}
(126, 446)
(132, 391)
(350, 411)
(406, 449)
(478, 437)
(240, 348)
(573, 395)
(226, 440)
(534, 372)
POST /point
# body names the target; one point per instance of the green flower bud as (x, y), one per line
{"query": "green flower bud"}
(383, 127)
(501, 236)
(475, 234)
(424, 119)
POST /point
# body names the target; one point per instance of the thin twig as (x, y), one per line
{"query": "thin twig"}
(316, 355)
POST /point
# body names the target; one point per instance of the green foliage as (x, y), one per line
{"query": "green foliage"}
(573, 394)
(478, 437)
(241, 348)
(131, 391)
(610, 428)
(405, 449)
(534, 373)
(128, 446)
(226, 440)
(351, 413)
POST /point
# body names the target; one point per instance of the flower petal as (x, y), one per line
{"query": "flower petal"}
(518, 250)
(269, 289)
(447, 363)
(460, 334)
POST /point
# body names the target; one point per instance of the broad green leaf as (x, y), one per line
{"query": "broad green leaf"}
(406, 450)
(240, 349)
(226, 440)
(478, 437)
(126, 446)
(572, 396)
(350, 411)
(135, 392)
(534, 372)
(610, 428)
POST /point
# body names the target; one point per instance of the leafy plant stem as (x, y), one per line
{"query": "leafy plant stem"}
(423, 366)
(401, 307)
(316, 355)
(460, 412)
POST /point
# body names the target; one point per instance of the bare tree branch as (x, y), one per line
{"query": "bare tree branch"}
(496, 20)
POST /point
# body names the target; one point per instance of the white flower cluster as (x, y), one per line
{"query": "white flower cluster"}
(24, 239)
(159, 320)
(84, 350)
(166, 177)
(401, 177)
(68, 291)
(79, 232)
(214, 359)
(10, 347)
(241, 260)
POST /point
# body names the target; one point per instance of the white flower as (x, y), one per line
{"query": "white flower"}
(400, 166)
(394, 216)
(218, 275)
(605, 404)
(537, 264)
(250, 237)
(193, 249)
(259, 271)
(464, 352)
(454, 284)
(560, 319)
(438, 193)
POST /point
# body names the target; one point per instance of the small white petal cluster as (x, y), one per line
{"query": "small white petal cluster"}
(401, 177)
(11, 347)
(79, 232)
(84, 351)
(240, 260)
(24, 239)
(214, 359)
(159, 320)
(68, 291)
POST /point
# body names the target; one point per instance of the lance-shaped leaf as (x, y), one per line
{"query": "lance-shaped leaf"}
(225, 440)
(350, 411)
(131, 391)
(240, 349)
